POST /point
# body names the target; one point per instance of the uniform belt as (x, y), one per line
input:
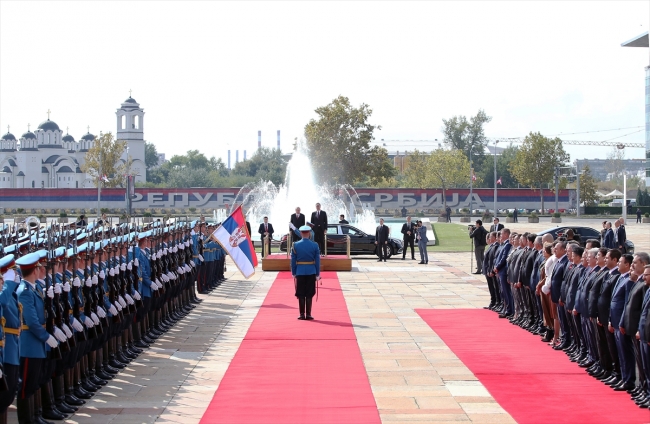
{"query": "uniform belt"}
(26, 327)
(70, 311)
(14, 331)
(305, 263)
(2, 343)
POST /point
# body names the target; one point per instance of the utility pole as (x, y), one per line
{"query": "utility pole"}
(578, 188)
(557, 186)
(495, 178)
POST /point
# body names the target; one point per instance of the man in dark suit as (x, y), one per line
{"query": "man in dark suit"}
(501, 270)
(643, 399)
(624, 346)
(604, 367)
(298, 220)
(556, 287)
(319, 221)
(381, 240)
(620, 235)
(608, 238)
(408, 230)
(632, 315)
(604, 305)
(488, 266)
(266, 230)
(342, 219)
(496, 226)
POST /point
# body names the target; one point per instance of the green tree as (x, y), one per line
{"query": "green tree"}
(104, 159)
(339, 145)
(504, 161)
(614, 164)
(447, 168)
(417, 167)
(588, 187)
(265, 164)
(150, 156)
(535, 162)
(465, 135)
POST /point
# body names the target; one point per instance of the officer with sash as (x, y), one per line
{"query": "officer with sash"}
(305, 269)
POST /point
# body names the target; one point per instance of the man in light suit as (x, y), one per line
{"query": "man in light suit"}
(319, 221)
(421, 235)
(265, 230)
(298, 220)
(381, 240)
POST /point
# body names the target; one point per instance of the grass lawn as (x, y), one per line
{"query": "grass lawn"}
(450, 237)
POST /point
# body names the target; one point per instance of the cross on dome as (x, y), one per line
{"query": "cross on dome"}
(48, 114)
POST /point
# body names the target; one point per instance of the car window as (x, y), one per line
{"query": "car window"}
(352, 231)
(333, 230)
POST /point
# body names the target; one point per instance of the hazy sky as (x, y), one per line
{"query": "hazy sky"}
(209, 75)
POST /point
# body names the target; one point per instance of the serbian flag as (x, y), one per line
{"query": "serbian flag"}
(233, 236)
(499, 181)
(473, 176)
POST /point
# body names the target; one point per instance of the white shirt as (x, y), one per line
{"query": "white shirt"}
(548, 268)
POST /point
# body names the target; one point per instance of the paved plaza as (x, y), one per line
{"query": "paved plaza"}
(413, 375)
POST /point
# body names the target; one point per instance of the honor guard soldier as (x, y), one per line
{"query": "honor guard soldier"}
(11, 328)
(35, 342)
(305, 269)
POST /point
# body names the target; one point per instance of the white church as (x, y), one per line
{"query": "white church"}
(46, 158)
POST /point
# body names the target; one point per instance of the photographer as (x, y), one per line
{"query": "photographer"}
(478, 233)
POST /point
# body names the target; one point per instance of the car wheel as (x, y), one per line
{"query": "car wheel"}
(389, 252)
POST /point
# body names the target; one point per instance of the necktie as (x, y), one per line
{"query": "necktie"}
(266, 228)
(318, 214)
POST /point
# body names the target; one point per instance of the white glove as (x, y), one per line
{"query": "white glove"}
(201, 258)
(175, 249)
(154, 287)
(76, 282)
(89, 282)
(180, 270)
(111, 272)
(123, 267)
(164, 277)
(186, 268)
(112, 310)
(191, 240)
(160, 285)
(165, 251)
(129, 299)
(154, 257)
(50, 292)
(118, 306)
(122, 302)
(130, 266)
(60, 335)
(67, 330)
(88, 322)
(136, 262)
(101, 312)
(95, 318)
(102, 275)
(57, 288)
(77, 325)
(51, 341)
(95, 280)
(171, 275)
(137, 296)
(66, 287)
(192, 264)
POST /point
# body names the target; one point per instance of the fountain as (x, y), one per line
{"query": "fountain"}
(278, 203)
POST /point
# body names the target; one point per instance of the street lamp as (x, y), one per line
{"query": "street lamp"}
(471, 183)
(495, 177)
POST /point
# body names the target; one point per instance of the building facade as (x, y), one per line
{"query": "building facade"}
(47, 158)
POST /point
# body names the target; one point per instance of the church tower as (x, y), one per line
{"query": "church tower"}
(130, 120)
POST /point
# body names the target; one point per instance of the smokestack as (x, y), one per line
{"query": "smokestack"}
(244, 155)
(278, 139)
(259, 139)
(229, 160)
(236, 157)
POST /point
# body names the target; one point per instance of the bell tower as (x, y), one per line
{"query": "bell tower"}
(130, 128)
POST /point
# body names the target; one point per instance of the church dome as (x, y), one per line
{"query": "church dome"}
(29, 135)
(88, 137)
(48, 126)
(130, 100)
(9, 137)
(68, 138)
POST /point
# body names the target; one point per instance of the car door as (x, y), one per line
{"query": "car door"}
(334, 240)
(360, 242)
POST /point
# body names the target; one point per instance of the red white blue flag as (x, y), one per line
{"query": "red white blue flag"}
(499, 181)
(233, 236)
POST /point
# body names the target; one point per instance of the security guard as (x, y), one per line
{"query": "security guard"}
(305, 269)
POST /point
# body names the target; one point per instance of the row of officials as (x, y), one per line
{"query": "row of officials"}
(78, 305)
(591, 302)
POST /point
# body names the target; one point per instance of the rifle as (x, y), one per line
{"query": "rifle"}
(50, 312)
(67, 308)
(76, 294)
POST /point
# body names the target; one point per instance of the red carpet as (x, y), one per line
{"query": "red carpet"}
(291, 371)
(531, 381)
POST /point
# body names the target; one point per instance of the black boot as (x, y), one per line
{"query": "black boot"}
(301, 306)
(50, 410)
(25, 410)
(308, 307)
(38, 409)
